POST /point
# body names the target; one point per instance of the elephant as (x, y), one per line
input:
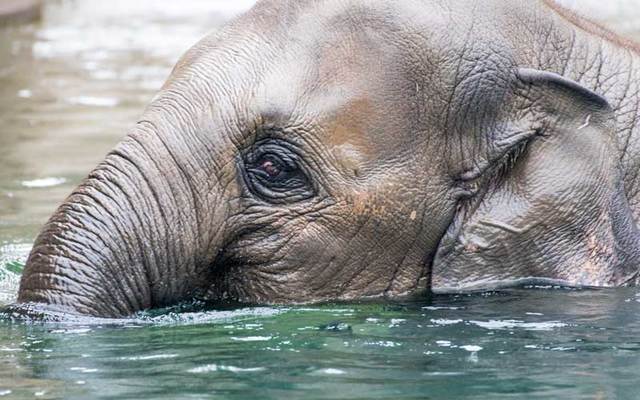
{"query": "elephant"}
(338, 150)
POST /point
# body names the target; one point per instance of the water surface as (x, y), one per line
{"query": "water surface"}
(535, 343)
(70, 87)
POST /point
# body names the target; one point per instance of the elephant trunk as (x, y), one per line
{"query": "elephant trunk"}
(125, 240)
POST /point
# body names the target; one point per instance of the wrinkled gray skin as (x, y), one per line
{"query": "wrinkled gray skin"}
(317, 150)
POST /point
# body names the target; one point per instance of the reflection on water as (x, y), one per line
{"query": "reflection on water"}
(70, 87)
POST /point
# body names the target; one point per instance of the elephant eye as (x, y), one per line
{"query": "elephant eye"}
(271, 168)
(274, 174)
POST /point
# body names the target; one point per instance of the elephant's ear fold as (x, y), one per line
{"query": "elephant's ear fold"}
(558, 210)
(543, 106)
(558, 103)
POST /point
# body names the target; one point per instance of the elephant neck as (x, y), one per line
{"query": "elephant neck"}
(618, 80)
(607, 64)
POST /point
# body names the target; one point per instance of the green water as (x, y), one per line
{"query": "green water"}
(536, 343)
(72, 84)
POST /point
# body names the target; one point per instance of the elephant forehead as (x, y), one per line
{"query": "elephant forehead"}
(350, 123)
(359, 74)
(345, 90)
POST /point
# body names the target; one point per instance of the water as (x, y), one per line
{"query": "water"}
(72, 84)
(521, 343)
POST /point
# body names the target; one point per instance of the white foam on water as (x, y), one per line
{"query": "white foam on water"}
(94, 101)
(84, 370)
(228, 368)
(332, 371)
(9, 280)
(252, 338)
(43, 182)
(516, 324)
(151, 357)
(445, 322)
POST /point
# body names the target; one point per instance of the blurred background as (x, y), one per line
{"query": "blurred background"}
(622, 16)
(74, 80)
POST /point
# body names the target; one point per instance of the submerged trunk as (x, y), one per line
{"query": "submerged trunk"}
(124, 240)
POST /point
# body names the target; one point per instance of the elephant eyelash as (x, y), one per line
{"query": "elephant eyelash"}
(509, 161)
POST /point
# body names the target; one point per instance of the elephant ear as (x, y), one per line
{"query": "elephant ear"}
(551, 207)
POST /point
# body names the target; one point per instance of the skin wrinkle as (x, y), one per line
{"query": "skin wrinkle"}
(59, 276)
(72, 222)
(192, 191)
(404, 256)
(146, 290)
(624, 97)
(127, 286)
(598, 76)
(419, 234)
(305, 225)
(101, 206)
(634, 122)
(569, 54)
(460, 81)
(64, 275)
(152, 273)
(76, 302)
(75, 246)
(264, 238)
(611, 79)
(173, 277)
(399, 264)
(457, 83)
(314, 146)
(122, 231)
(155, 196)
(179, 111)
(275, 220)
(99, 238)
(350, 254)
(589, 62)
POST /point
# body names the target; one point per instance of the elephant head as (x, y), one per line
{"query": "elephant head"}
(322, 150)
